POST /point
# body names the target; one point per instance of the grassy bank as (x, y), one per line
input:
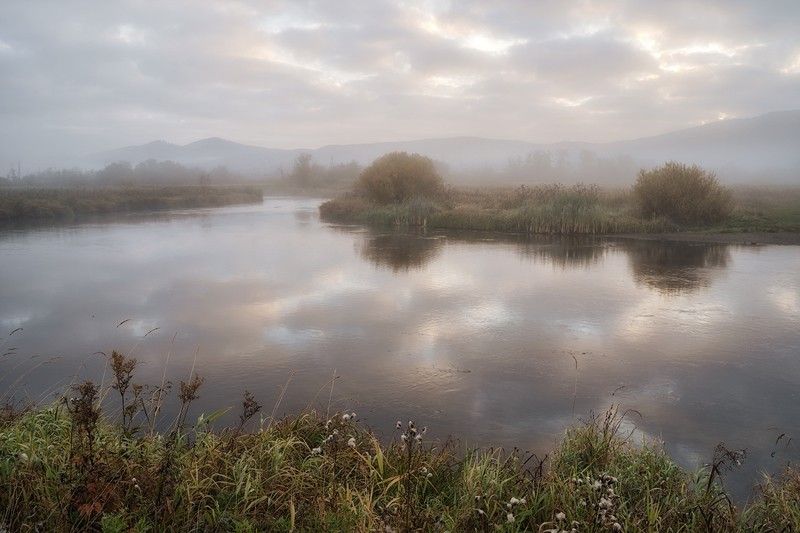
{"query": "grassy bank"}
(558, 209)
(763, 209)
(68, 467)
(68, 204)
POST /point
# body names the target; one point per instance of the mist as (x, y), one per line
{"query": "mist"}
(265, 83)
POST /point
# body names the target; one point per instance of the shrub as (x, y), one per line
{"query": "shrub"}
(684, 194)
(399, 176)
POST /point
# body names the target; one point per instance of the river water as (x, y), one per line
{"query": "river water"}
(495, 340)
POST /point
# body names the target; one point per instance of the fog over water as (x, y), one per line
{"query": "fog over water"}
(496, 340)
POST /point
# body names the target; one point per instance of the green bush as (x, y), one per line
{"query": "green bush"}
(681, 193)
(399, 176)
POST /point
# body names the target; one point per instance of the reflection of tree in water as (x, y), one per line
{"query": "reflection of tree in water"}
(563, 251)
(675, 267)
(400, 251)
(303, 216)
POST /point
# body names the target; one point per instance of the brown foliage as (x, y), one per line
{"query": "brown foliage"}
(399, 176)
(684, 194)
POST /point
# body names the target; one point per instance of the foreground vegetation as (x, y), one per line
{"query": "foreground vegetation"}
(70, 467)
(68, 204)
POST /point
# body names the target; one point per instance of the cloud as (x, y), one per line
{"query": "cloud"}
(86, 76)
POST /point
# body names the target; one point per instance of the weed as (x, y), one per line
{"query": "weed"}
(123, 368)
(73, 470)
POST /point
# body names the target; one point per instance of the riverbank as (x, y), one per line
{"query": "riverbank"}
(766, 215)
(65, 467)
(68, 204)
(745, 238)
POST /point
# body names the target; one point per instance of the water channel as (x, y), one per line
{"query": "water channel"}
(495, 340)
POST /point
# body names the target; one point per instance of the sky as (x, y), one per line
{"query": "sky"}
(83, 76)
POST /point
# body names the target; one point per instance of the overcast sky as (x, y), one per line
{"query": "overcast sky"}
(77, 76)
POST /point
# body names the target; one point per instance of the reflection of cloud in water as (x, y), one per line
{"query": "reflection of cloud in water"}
(487, 314)
(451, 280)
(141, 327)
(584, 329)
(657, 390)
(786, 300)
(15, 321)
(294, 337)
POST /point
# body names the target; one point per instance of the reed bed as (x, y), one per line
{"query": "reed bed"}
(66, 204)
(567, 210)
(72, 466)
(764, 208)
(544, 209)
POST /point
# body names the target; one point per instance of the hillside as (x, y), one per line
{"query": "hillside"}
(762, 148)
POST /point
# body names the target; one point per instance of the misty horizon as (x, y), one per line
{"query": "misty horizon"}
(93, 77)
(752, 150)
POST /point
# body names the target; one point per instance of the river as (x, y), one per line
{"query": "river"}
(495, 340)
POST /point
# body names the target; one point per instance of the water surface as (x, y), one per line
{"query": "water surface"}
(496, 340)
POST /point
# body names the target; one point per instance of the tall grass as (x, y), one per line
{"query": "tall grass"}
(59, 204)
(69, 466)
(579, 209)
(544, 209)
(764, 209)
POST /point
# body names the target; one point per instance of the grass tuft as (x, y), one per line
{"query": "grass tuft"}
(68, 469)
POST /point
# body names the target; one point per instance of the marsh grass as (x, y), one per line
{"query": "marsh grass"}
(70, 466)
(67, 204)
(544, 209)
(578, 209)
(763, 208)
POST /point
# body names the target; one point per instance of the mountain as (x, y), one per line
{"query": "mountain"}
(771, 140)
(763, 147)
(206, 153)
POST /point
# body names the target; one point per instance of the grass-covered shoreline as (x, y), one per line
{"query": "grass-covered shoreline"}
(68, 467)
(559, 209)
(67, 204)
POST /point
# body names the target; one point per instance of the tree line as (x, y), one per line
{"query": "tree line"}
(150, 172)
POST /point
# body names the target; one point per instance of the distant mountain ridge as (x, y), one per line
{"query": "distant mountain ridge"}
(767, 143)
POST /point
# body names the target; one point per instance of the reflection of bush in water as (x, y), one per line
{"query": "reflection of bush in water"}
(563, 251)
(400, 251)
(676, 267)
